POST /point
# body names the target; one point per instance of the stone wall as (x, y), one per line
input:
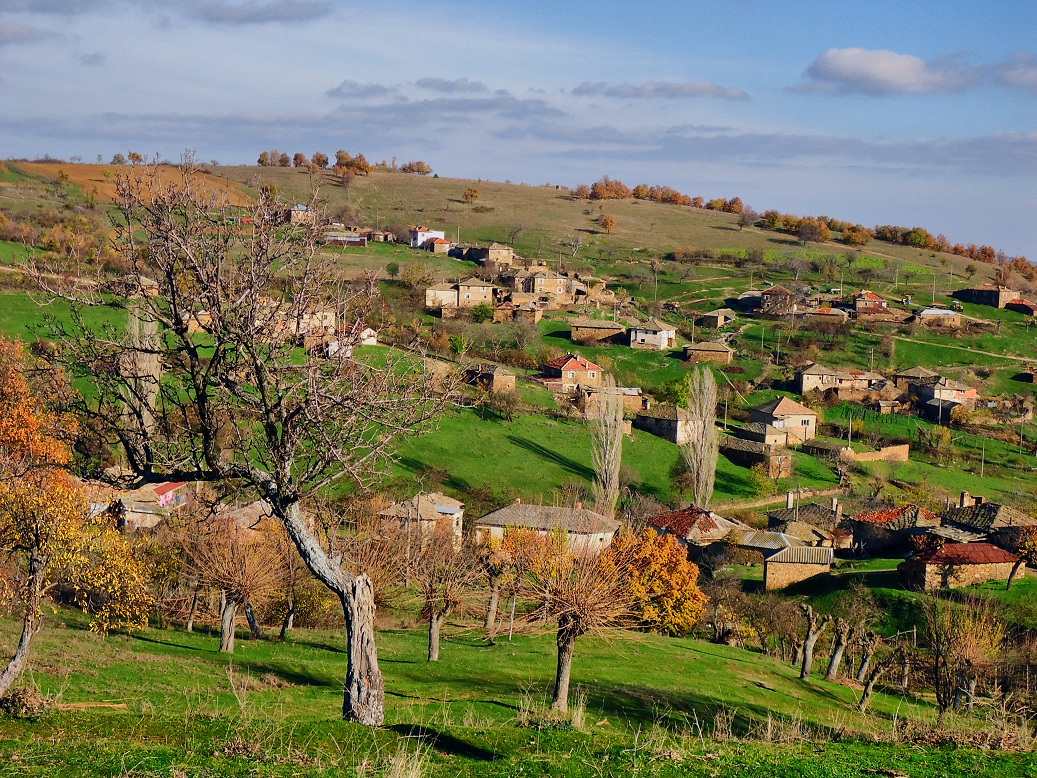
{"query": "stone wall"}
(778, 575)
(917, 576)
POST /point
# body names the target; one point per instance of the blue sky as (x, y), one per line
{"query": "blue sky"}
(921, 113)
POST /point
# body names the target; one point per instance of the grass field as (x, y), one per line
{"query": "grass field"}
(166, 703)
(533, 456)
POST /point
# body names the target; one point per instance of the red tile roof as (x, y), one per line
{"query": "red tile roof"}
(682, 522)
(169, 487)
(572, 362)
(866, 295)
(966, 554)
(889, 515)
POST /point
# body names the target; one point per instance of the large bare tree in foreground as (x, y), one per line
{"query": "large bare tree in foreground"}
(228, 293)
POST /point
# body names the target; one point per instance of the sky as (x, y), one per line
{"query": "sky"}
(918, 113)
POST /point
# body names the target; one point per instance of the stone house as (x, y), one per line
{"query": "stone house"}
(884, 530)
(653, 335)
(588, 399)
(706, 351)
(424, 513)
(799, 421)
(988, 294)
(301, 214)
(819, 378)
(438, 245)
(820, 518)
(490, 377)
(494, 257)
(694, 526)
(1024, 307)
(564, 374)
(939, 317)
(714, 320)
(914, 375)
(994, 520)
(778, 300)
(441, 296)
(776, 460)
(473, 292)
(826, 313)
(595, 330)
(869, 302)
(944, 390)
(955, 565)
(505, 312)
(584, 529)
(666, 421)
(794, 564)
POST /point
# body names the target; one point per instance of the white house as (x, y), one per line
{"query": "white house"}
(653, 334)
(420, 235)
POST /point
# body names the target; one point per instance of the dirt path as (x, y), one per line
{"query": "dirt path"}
(806, 494)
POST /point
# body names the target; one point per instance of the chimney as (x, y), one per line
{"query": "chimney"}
(837, 509)
(965, 501)
(790, 500)
(518, 500)
(977, 500)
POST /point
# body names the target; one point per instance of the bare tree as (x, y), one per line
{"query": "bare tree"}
(816, 624)
(445, 572)
(607, 447)
(843, 630)
(574, 244)
(235, 402)
(242, 563)
(583, 591)
(880, 668)
(703, 447)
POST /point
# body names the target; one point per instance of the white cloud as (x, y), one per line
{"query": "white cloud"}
(354, 90)
(661, 89)
(1020, 70)
(457, 85)
(883, 72)
(261, 13)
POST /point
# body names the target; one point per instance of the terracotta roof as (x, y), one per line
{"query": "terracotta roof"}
(965, 554)
(783, 406)
(572, 362)
(549, 517)
(685, 521)
(898, 514)
(777, 289)
(439, 241)
(868, 295)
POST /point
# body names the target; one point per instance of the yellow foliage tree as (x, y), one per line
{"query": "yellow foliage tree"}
(662, 583)
(45, 535)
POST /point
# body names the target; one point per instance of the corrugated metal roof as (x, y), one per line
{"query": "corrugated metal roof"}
(804, 555)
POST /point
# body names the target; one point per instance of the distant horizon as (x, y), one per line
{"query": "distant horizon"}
(848, 112)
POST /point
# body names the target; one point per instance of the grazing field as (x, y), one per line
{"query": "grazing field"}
(167, 703)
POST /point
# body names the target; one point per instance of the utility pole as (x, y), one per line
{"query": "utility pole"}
(982, 458)
(872, 368)
(934, 288)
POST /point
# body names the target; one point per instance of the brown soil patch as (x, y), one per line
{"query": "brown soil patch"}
(101, 179)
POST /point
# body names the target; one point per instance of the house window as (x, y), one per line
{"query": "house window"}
(572, 374)
(591, 374)
(805, 422)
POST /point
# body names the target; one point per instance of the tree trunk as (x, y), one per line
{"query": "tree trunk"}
(842, 636)
(435, 627)
(566, 645)
(1019, 565)
(31, 622)
(490, 625)
(363, 698)
(905, 673)
(253, 625)
(797, 654)
(871, 642)
(873, 678)
(815, 626)
(289, 619)
(228, 616)
(190, 614)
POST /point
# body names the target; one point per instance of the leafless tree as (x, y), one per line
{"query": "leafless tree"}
(607, 447)
(445, 573)
(703, 447)
(236, 402)
(582, 591)
(816, 624)
(843, 630)
(243, 563)
(963, 637)
(574, 244)
(880, 668)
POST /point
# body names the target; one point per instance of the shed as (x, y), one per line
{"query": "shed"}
(955, 565)
(794, 564)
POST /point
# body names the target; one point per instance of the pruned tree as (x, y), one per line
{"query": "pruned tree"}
(582, 591)
(243, 563)
(702, 450)
(493, 562)
(843, 630)
(237, 403)
(962, 638)
(445, 572)
(816, 624)
(607, 447)
(897, 657)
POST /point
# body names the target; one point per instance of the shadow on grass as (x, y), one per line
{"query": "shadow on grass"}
(158, 642)
(567, 464)
(441, 741)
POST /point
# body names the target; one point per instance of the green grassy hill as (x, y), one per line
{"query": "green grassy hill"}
(165, 703)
